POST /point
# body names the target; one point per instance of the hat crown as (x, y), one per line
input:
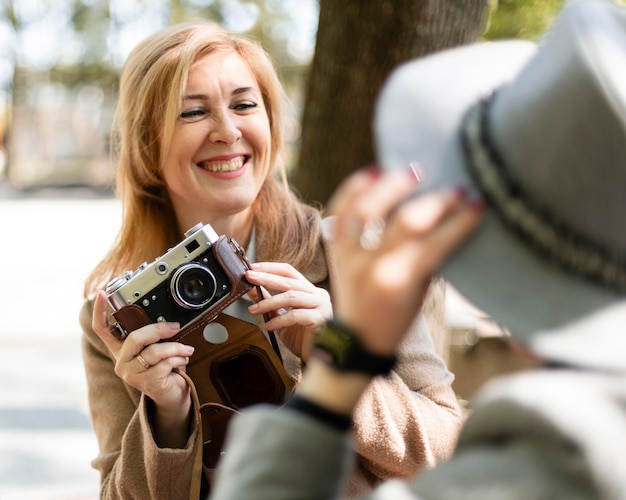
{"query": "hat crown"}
(561, 125)
(557, 123)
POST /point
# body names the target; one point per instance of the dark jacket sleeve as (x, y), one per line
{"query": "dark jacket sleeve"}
(282, 455)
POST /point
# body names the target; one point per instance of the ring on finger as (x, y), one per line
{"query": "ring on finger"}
(371, 234)
(145, 364)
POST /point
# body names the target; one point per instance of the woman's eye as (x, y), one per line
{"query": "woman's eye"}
(243, 106)
(193, 114)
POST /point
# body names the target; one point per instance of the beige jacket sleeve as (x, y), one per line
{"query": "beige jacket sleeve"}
(130, 463)
(408, 421)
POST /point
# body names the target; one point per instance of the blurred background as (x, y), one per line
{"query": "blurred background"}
(60, 62)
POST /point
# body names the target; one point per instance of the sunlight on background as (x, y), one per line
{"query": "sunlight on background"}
(46, 36)
(54, 55)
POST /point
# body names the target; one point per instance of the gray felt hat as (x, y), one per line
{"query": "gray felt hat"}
(539, 131)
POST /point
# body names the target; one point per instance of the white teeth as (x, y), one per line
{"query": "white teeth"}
(223, 166)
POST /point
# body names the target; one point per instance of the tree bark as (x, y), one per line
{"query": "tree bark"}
(358, 43)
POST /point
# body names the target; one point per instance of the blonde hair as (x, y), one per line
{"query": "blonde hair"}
(151, 89)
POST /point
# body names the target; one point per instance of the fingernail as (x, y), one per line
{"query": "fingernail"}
(253, 307)
(374, 171)
(478, 204)
(255, 265)
(416, 171)
(460, 191)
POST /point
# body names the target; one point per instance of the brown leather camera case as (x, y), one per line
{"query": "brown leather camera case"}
(233, 262)
(243, 370)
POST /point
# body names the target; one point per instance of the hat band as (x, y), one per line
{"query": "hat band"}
(535, 224)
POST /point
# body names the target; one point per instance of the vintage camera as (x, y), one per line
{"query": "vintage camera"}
(201, 275)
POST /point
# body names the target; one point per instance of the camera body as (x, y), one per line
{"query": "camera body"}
(201, 275)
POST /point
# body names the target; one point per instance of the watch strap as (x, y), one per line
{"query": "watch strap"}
(341, 348)
(319, 413)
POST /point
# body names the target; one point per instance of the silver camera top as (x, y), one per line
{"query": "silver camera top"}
(122, 291)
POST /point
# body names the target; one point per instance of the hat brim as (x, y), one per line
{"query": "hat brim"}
(418, 119)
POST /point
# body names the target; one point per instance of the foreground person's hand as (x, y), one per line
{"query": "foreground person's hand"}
(381, 288)
(386, 255)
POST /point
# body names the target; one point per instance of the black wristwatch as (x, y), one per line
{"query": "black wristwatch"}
(338, 346)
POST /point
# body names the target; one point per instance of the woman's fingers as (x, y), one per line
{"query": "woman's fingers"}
(278, 276)
(146, 363)
(445, 222)
(385, 191)
(154, 354)
(381, 289)
(296, 308)
(293, 290)
(351, 187)
(363, 198)
(142, 351)
(307, 318)
(137, 339)
(419, 239)
(100, 324)
(148, 335)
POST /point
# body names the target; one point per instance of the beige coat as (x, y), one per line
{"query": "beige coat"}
(403, 423)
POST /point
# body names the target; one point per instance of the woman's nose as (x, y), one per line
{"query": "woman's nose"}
(224, 129)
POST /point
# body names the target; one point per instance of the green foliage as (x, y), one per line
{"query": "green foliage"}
(525, 19)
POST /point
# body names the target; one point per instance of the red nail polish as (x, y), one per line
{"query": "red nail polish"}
(460, 191)
(478, 204)
(374, 171)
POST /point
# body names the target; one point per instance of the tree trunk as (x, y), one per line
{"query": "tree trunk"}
(359, 42)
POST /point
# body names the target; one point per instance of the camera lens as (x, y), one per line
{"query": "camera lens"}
(193, 286)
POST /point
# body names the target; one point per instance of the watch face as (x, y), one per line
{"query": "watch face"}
(340, 348)
(333, 341)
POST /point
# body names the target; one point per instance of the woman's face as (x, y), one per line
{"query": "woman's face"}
(220, 151)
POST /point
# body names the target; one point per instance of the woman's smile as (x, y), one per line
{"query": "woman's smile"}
(226, 168)
(224, 165)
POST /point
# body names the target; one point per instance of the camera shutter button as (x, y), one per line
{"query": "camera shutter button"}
(115, 284)
(194, 229)
(215, 333)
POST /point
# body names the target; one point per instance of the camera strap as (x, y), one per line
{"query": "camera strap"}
(266, 317)
(270, 333)
(196, 473)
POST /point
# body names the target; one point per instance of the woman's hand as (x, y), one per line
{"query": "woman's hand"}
(296, 308)
(383, 278)
(147, 364)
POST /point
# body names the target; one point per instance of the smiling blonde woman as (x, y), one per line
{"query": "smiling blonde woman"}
(199, 139)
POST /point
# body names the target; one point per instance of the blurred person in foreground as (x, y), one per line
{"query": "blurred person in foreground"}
(524, 148)
(200, 139)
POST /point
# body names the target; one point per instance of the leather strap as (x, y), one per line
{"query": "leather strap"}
(270, 333)
(215, 419)
(196, 472)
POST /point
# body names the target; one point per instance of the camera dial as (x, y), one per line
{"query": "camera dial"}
(115, 284)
